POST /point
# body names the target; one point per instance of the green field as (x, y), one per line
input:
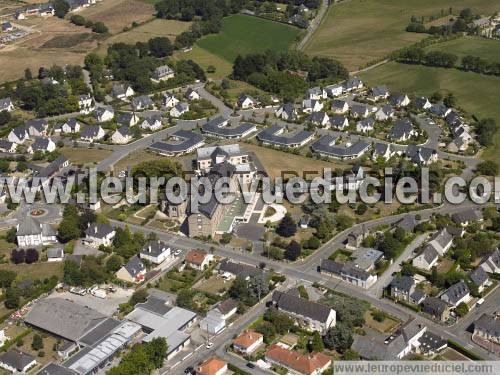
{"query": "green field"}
(242, 34)
(488, 49)
(477, 94)
(359, 31)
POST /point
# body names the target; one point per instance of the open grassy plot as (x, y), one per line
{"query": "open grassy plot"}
(117, 14)
(478, 94)
(358, 31)
(242, 34)
(84, 155)
(488, 49)
(206, 59)
(34, 270)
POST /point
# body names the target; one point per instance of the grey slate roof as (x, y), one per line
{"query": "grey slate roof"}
(90, 131)
(125, 131)
(489, 324)
(456, 292)
(337, 121)
(125, 118)
(55, 369)
(301, 306)
(479, 276)
(380, 91)
(219, 126)
(317, 117)
(30, 226)
(466, 216)
(134, 266)
(38, 124)
(55, 252)
(403, 283)
(331, 266)
(270, 135)
(5, 144)
(419, 154)
(289, 109)
(188, 140)
(227, 306)
(162, 71)
(16, 359)
(239, 269)
(325, 145)
(433, 306)
(401, 128)
(154, 248)
(5, 103)
(142, 101)
(420, 101)
(98, 230)
(40, 144)
(442, 237)
(408, 223)
(438, 109)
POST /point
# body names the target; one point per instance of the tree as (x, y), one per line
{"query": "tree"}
(6, 278)
(12, 298)
(114, 263)
(37, 342)
(61, 8)
(18, 256)
(350, 355)
(462, 309)
(312, 243)
(11, 236)
(485, 130)
(99, 27)
(488, 168)
(5, 117)
(160, 46)
(450, 101)
(361, 208)
(293, 250)
(378, 315)
(31, 256)
(407, 269)
(338, 338)
(156, 350)
(287, 226)
(316, 343)
(27, 74)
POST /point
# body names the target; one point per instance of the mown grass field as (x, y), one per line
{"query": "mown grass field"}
(477, 94)
(358, 31)
(242, 34)
(206, 59)
(488, 49)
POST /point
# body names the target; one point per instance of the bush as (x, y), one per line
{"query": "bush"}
(99, 28)
(78, 20)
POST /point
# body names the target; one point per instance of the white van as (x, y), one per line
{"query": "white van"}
(480, 302)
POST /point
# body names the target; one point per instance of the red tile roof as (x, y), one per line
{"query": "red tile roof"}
(247, 339)
(305, 364)
(211, 366)
(195, 257)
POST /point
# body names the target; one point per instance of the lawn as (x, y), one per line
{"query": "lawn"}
(215, 285)
(136, 157)
(358, 31)
(84, 155)
(241, 35)
(206, 59)
(385, 326)
(477, 94)
(488, 49)
(34, 270)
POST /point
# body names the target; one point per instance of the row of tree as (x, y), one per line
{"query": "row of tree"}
(97, 27)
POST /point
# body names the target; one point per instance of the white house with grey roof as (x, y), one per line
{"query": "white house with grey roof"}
(128, 119)
(122, 135)
(339, 122)
(402, 130)
(360, 110)
(399, 100)
(85, 103)
(441, 241)
(221, 127)
(422, 102)
(92, 133)
(310, 315)
(162, 73)
(133, 271)
(169, 100)
(492, 263)
(327, 146)
(6, 105)
(17, 361)
(311, 105)
(488, 327)
(320, 119)
(383, 150)
(333, 90)
(287, 112)
(104, 113)
(421, 155)
(70, 126)
(340, 106)
(192, 94)
(181, 142)
(378, 93)
(142, 102)
(427, 258)
(366, 125)
(179, 109)
(151, 123)
(480, 278)
(352, 84)
(348, 272)
(31, 232)
(467, 217)
(316, 93)
(439, 110)
(276, 135)
(456, 294)
(37, 127)
(55, 254)
(99, 234)
(155, 252)
(42, 145)
(18, 135)
(122, 91)
(7, 146)
(245, 101)
(384, 113)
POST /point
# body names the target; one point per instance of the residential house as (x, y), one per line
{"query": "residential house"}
(426, 259)
(182, 142)
(198, 259)
(311, 105)
(310, 315)
(378, 93)
(480, 278)
(230, 269)
(340, 106)
(221, 127)
(31, 232)
(467, 217)
(37, 127)
(339, 122)
(92, 133)
(441, 241)
(383, 150)
(6, 27)
(55, 254)
(492, 263)
(439, 110)
(163, 73)
(456, 294)
(70, 126)
(487, 327)
(246, 102)
(151, 123)
(355, 238)
(127, 119)
(404, 288)
(366, 125)
(399, 100)
(7, 146)
(6, 105)
(421, 155)
(287, 112)
(297, 363)
(384, 113)
(366, 258)
(277, 136)
(248, 342)
(216, 319)
(407, 223)
(18, 135)
(319, 118)
(316, 93)
(436, 308)
(103, 114)
(192, 94)
(348, 272)
(169, 100)
(155, 252)
(422, 102)
(142, 102)
(333, 90)
(122, 91)
(212, 366)
(42, 145)
(353, 83)
(122, 135)
(85, 103)
(402, 130)
(17, 361)
(179, 109)
(99, 234)
(359, 111)
(133, 271)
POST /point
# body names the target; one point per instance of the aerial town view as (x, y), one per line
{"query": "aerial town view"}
(217, 187)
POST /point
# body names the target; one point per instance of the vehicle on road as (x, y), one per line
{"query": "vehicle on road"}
(480, 302)
(189, 370)
(250, 365)
(209, 345)
(177, 252)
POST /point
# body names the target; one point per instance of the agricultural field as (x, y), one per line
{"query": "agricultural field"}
(148, 30)
(477, 94)
(52, 41)
(89, 155)
(359, 31)
(488, 49)
(242, 34)
(117, 14)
